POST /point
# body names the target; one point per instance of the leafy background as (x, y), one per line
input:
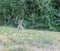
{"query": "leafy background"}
(36, 14)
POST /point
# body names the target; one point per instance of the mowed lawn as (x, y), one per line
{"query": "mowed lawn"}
(12, 39)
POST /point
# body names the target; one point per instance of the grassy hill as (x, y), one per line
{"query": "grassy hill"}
(12, 39)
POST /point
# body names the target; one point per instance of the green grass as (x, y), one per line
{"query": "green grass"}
(10, 38)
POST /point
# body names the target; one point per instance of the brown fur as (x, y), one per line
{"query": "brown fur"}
(20, 24)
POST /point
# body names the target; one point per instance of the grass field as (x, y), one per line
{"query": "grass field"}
(12, 39)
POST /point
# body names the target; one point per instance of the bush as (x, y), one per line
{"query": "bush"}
(37, 14)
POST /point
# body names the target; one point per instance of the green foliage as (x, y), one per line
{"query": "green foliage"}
(37, 14)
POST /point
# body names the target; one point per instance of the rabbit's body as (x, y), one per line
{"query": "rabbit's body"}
(20, 26)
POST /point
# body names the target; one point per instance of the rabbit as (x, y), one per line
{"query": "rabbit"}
(20, 25)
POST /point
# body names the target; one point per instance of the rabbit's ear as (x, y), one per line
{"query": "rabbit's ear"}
(22, 20)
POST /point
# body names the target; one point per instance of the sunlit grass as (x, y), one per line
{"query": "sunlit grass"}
(11, 37)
